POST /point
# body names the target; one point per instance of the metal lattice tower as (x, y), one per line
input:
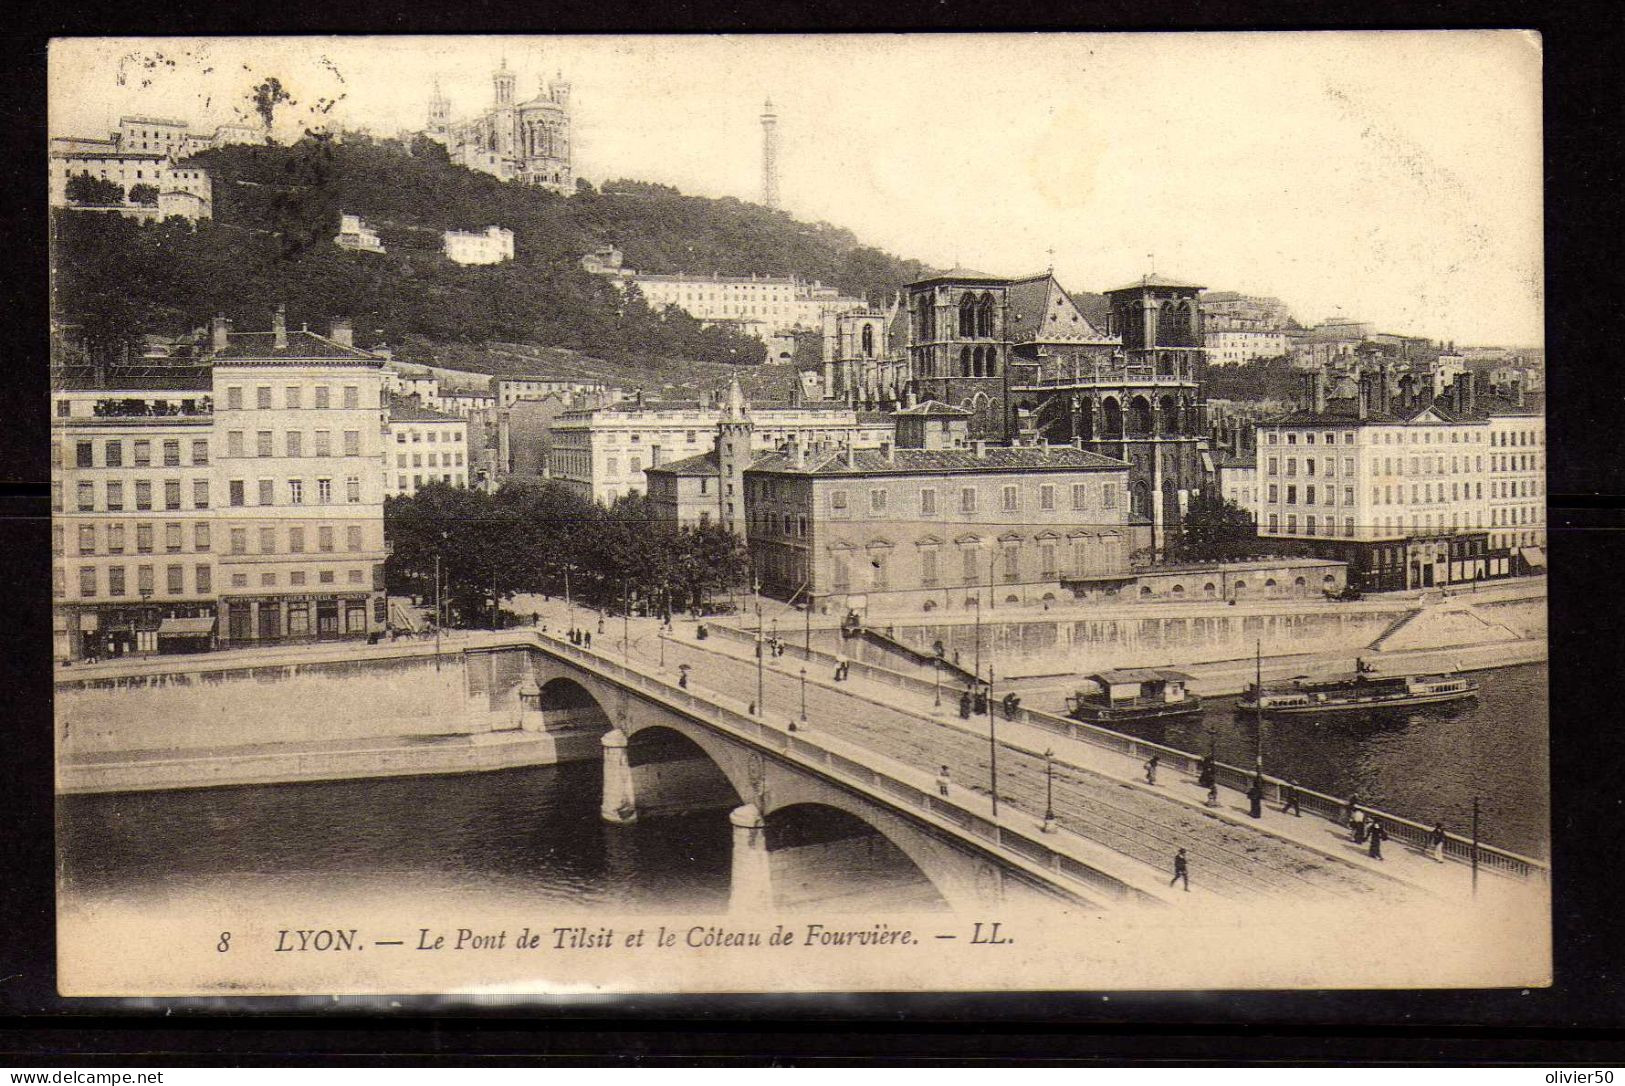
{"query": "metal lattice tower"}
(770, 156)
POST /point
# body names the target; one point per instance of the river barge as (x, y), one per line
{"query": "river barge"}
(1134, 694)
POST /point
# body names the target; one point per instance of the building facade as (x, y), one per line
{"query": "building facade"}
(1236, 347)
(759, 305)
(1405, 492)
(134, 547)
(918, 529)
(1231, 311)
(236, 501)
(493, 245)
(510, 390)
(423, 446)
(299, 421)
(525, 141)
(355, 234)
(603, 452)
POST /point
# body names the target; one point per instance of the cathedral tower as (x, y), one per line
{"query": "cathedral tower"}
(503, 81)
(770, 156)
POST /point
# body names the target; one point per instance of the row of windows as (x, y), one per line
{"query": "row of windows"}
(293, 443)
(1384, 437)
(1516, 488)
(1328, 466)
(452, 460)
(113, 537)
(1089, 558)
(293, 397)
(1387, 525)
(1009, 499)
(1517, 462)
(118, 583)
(84, 453)
(417, 480)
(141, 494)
(1424, 493)
(295, 492)
(433, 436)
(1522, 514)
(1327, 494)
(1517, 437)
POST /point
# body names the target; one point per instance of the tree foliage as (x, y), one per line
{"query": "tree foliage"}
(88, 191)
(546, 539)
(146, 195)
(277, 211)
(1214, 530)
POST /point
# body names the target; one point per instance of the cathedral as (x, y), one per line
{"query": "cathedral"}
(516, 141)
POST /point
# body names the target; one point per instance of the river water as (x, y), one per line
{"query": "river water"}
(535, 835)
(1424, 764)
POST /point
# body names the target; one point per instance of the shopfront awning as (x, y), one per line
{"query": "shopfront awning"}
(186, 627)
(1535, 556)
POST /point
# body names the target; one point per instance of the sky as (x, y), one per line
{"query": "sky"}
(1393, 177)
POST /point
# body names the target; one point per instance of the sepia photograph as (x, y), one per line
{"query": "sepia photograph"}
(563, 516)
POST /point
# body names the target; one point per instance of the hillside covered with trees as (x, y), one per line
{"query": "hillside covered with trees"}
(277, 210)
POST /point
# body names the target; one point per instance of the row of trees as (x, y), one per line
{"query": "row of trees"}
(543, 538)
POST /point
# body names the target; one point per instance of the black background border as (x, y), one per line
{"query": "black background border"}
(1575, 1021)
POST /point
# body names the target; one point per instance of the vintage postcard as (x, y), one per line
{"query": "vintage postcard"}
(855, 513)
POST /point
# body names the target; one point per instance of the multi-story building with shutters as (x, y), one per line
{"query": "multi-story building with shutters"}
(235, 501)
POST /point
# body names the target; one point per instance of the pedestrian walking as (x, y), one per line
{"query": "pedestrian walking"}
(942, 782)
(1436, 843)
(1212, 794)
(1358, 826)
(981, 702)
(588, 635)
(1351, 809)
(1289, 800)
(1255, 797)
(1151, 770)
(1182, 870)
(1377, 835)
(682, 679)
(964, 705)
(535, 618)
(1209, 774)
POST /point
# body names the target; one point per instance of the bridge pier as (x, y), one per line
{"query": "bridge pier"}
(620, 804)
(751, 889)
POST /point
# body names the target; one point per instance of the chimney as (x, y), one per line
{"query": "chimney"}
(220, 329)
(1318, 388)
(889, 451)
(1472, 391)
(343, 333)
(979, 448)
(1364, 386)
(798, 453)
(279, 326)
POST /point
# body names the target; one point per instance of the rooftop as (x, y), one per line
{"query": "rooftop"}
(701, 464)
(961, 461)
(302, 346)
(934, 408)
(406, 410)
(1154, 280)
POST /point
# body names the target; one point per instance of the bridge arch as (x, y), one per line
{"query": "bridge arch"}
(563, 702)
(814, 847)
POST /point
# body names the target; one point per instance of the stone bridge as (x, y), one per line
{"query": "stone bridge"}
(815, 821)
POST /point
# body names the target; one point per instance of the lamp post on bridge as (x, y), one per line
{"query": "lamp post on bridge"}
(992, 744)
(803, 694)
(760, 647)
(1049, 790)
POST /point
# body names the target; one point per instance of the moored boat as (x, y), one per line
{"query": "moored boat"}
(1134, 694)
(1361, 690)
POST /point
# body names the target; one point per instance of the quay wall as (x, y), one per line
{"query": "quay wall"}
(198, 705)
(1031, 643)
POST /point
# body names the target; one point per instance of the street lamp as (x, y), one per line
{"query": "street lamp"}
(804, 695)
(936, 684)
(661, 633)
(1049, 790)
(759, 654)
(992, 744)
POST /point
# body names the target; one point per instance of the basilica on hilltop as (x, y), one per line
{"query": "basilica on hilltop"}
(516, 141)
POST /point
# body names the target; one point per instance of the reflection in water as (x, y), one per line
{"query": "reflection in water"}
(1425, 763)
(533, 834)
